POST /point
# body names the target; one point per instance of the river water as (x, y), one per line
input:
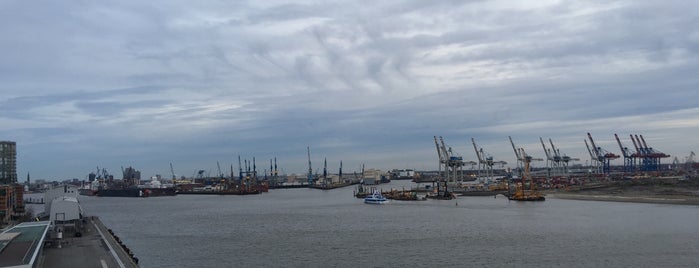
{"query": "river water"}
(315, 228)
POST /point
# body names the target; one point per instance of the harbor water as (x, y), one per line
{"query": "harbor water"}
(317, 228)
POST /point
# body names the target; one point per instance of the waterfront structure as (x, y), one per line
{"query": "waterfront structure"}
(8, 162)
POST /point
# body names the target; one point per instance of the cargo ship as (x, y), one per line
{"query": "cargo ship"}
(136, 192)
(87, 191)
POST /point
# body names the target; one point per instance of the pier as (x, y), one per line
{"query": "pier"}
(94, 246)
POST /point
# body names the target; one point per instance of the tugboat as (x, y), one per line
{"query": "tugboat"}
(530, 194)
(375, 198)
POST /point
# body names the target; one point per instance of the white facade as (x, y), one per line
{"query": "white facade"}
(60, 191)
(65, 209)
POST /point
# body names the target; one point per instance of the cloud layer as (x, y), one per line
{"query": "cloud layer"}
(144, 84)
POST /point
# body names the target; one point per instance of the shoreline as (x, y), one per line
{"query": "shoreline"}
(660, 199)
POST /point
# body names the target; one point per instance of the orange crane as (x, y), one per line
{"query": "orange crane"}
(522, 192)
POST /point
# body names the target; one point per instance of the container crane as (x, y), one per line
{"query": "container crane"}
(603, 156)
(485, 161)
(650, 158)
(593, 159)
(520, 164)
(551, 164)
(452, 162)
(559, 162)
(629, 157)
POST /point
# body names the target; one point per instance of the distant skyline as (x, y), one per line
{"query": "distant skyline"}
(146, 84)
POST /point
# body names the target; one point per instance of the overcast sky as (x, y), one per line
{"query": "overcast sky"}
(148, 83)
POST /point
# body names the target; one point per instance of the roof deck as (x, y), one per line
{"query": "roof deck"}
(20, 245)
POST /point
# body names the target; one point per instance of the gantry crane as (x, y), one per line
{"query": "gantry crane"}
(650, 158)
(520, 158)
(485, 161)
(602, 156)
(556, 162)
(629, 157)
(452, 162)
(563, 158)
(551, 161)
(594, 161)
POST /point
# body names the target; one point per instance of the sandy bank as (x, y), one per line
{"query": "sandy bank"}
(674, 199)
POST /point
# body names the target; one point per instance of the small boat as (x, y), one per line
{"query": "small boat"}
(375, 198)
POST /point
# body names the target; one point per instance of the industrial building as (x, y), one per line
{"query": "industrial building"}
(8, 162)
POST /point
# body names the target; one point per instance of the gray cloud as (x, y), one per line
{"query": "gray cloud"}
(131, 83)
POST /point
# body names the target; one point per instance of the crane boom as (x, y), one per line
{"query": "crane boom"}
(594, 147)
(439, 150)
(638, 150)
(546, 151)
(172, 171)
(553, 148)
(644, 142)
(478, 154)
(517, 154)
(624, 150)
(444, 149)
(594, 157)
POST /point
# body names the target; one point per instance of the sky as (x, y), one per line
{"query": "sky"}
(111, 84)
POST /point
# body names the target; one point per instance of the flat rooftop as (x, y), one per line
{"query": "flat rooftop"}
(20, 244)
